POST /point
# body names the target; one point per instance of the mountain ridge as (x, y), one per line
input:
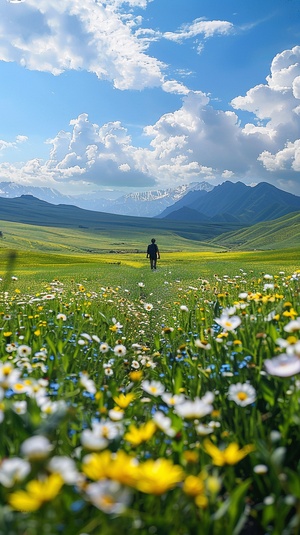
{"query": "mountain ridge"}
(236, 201)
(140, 204)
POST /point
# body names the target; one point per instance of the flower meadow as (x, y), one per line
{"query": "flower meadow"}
(124, 413)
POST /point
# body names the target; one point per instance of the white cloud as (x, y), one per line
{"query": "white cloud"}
(286, 159)
(194, 142)
(172, 86)
(207, 28)
(4, 145)
(277, 104)
(53, 36)
(104, 38)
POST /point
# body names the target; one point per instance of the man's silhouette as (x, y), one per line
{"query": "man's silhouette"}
(153, 254)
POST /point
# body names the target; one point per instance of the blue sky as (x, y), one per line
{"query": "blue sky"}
(149, 94)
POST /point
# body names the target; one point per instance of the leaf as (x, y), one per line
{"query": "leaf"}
(177, 380)
(234, 506)
(267, 393)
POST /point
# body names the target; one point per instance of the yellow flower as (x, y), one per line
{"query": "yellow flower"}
(158, 476)
(136, 375)
(213, 484)
(193, 485)
(106, 465)
(137, 435)
(124, 400)
(201, 501)
(230, 455)
(36, 493)
(124, 469)
(191, 456)
(95, 466)
(290, 313)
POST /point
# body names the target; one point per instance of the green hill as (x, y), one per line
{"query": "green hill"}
(29, 210)
(82, 241)
(276, 234)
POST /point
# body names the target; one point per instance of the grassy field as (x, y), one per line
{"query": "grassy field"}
(34, 268)
(276, 234)
(35, 255)
(147, 402)
(72, 241)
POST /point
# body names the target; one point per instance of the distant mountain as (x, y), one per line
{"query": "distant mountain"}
(187, 214)
(236, 202)
(10, 190)
(140, 204)
(184, 202)
(152, 203)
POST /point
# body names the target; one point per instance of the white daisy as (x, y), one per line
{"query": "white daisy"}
(242, 394)
(36, 447)
(120, 350)
(283, 365)
(104, 348)
(228, 323)
(155, 388)
(109, 496)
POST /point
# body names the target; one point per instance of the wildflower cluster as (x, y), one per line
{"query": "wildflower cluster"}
(120, 415)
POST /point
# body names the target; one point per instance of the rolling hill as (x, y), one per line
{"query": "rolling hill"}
(29, 210)
(280, 233)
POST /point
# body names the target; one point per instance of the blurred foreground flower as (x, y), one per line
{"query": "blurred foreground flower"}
(109, 496)
(228, 323)
(158, 476)
(13, 470)
(36, 448)
(137, 435)
(36, 493)
(283, 365)
(230, 455)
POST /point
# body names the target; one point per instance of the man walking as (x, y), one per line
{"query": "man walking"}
(153, 254)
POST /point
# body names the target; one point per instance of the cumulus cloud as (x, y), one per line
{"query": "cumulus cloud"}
(277, 105)
(286, 159)
(103, 155)
(12, 144)
(52, 36)
(103, 38)
(194, 142)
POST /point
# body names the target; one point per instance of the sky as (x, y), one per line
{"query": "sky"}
(149, 94)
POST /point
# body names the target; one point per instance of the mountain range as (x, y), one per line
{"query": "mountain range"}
(233, 203)
(140, 204)
(199, 203)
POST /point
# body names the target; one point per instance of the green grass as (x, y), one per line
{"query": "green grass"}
(27, 210)
(128, 269)
(276, 234)
(62, 292)
(81, 241)
(116, 256)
